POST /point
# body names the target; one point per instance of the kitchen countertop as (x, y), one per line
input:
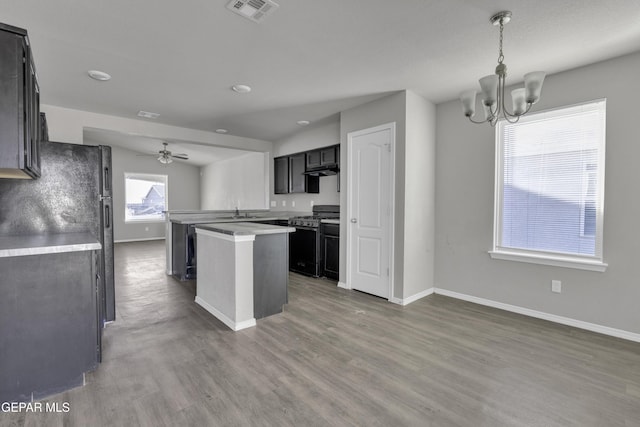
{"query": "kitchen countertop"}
(39, 244)
(204, 218)
(245, 228)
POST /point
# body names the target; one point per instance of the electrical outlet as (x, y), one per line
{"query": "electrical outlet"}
(293, 203)
(556, 286)
(146, 229)
(284, 203)
(311, 203)
(274, 203)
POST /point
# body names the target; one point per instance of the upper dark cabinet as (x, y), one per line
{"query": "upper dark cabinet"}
(281, 175)
(289, 177)
(298, 181)
(322, 157)
(19, 107)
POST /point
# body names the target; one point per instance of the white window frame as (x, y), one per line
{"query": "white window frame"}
(569, 260)
(158, 177)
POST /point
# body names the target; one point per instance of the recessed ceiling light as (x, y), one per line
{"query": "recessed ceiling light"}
(221, 130)
(148, 115)
(303, 122)
(99, 75)
(241, 88)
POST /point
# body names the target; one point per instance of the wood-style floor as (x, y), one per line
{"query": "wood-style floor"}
(341, 358)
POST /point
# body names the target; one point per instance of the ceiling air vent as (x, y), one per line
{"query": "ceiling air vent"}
(255, 10)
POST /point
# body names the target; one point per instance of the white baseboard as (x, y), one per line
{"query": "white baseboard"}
(618, 333)
(146, 239)
(343, 285)
(235, 326)
(412, 298)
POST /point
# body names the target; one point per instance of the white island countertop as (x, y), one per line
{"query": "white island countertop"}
(39, 244)
(245, 228)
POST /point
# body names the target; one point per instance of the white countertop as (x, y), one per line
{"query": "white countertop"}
(245, 228)
(39, 244)
(209, 218)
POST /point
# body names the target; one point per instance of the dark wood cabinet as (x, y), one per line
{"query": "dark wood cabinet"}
(49, 326)
(322, 157)
(330, 247)
(19, 107)
(298, 181)
(289, 177)
(281, 175)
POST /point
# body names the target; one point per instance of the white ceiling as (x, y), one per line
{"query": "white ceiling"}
(307, 61)
(200, 154)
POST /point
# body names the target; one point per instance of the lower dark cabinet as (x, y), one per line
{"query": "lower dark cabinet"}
(50, 324)
(183, 251)
(330, 247)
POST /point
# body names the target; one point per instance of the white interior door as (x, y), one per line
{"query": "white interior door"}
(370, 209)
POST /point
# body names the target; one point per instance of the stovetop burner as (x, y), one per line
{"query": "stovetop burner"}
(320, 212)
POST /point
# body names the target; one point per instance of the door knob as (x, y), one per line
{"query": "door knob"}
(353, 220)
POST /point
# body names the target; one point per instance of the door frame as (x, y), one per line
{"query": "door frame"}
(391, 202)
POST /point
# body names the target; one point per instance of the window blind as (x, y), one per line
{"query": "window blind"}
(551, 181)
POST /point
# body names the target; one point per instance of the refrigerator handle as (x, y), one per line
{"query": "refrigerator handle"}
(107, 216)
(107, 179)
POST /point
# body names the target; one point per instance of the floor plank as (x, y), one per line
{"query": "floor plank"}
(340, 358)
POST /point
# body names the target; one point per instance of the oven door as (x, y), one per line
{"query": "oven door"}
(304, 247)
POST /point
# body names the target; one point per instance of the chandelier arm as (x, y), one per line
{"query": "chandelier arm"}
(507, 115)
(477, 121)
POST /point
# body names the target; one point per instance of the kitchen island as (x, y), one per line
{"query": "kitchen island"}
(180, 234)
(243, 271)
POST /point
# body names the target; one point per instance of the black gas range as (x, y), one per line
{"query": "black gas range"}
(304, 244)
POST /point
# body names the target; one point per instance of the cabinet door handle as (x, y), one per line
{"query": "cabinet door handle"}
(354, 220)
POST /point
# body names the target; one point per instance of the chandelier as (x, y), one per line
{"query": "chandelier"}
(492, 88)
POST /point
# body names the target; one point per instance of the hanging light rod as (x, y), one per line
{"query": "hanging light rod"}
(492, 88)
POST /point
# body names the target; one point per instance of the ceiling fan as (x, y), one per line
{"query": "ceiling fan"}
(167, 157)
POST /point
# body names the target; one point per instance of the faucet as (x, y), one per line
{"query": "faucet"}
(237, 212)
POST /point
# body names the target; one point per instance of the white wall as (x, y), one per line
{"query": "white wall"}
(464, 208)
(308, 139)
(414, 186)
(241, 182)
(419, 193)
(183, 188)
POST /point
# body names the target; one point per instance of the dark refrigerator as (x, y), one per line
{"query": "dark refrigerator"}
(74, 194)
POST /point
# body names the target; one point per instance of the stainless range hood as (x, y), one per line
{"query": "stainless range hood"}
(324, 171)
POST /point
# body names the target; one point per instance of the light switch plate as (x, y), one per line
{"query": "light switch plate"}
(274, 203)
(284, 203)
(293, 203)
(556, 286)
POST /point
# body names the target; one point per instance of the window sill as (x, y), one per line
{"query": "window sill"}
(556, 261)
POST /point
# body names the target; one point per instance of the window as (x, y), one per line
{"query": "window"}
(550, 187)
(146, 197)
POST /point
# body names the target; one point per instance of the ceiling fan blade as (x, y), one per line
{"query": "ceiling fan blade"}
(180, 156)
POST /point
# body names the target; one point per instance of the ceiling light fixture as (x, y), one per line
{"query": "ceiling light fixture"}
(221, 130)
(493, 85)
(303, 122)
(241, 88)
(99, 75)
(165, 160)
